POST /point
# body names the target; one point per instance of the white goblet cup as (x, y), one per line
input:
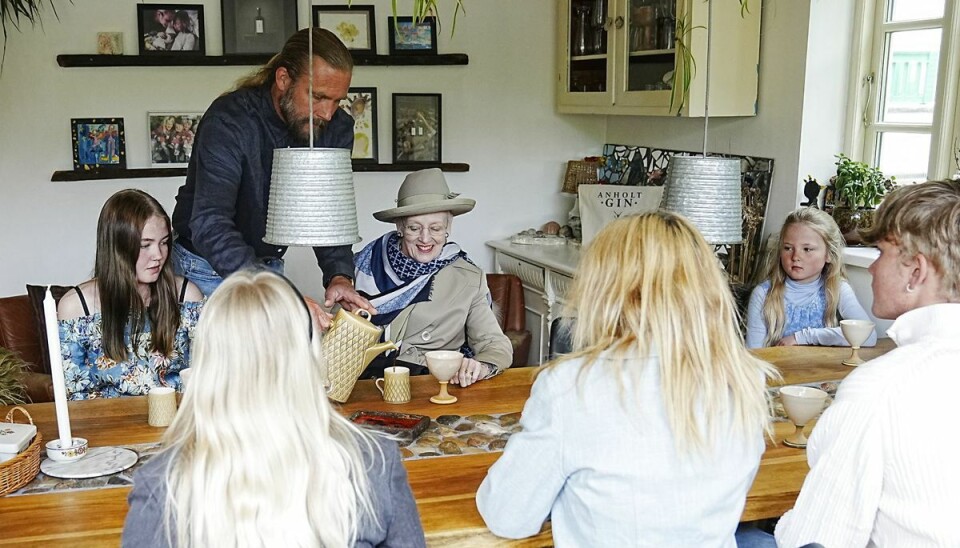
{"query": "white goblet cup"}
(802, 404)
(856, 332)
(443, 365)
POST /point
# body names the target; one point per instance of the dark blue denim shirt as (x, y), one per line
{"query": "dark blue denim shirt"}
(221, 211)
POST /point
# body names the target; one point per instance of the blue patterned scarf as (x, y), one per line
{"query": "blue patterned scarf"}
(392, 281)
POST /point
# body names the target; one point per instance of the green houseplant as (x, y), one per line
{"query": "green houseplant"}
(857, 190)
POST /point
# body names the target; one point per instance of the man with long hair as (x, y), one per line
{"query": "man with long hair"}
(221, 210)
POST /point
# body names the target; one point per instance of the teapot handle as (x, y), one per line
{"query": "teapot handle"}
(377, 383)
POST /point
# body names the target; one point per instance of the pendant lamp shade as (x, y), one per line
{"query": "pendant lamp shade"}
(312, 201)
(706, 191)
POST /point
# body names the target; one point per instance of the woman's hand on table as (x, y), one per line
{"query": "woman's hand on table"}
(470, 372)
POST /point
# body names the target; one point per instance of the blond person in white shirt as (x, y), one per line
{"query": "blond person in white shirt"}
(651, 431)
(883, 462)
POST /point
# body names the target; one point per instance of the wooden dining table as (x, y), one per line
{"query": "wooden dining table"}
(444, 487)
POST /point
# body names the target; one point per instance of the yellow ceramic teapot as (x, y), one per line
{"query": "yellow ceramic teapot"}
(349, 346)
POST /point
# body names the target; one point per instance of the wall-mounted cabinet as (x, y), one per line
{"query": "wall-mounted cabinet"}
(619, 56)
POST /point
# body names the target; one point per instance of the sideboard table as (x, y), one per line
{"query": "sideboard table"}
(546, 272)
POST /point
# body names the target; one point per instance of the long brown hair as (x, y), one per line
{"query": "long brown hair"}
(293, 57)
(118, 247)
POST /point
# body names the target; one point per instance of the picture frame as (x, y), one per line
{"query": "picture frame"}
(171, 136)
(354, 25)
(109, 43)
(170, 29)
(409, 37)
(98, 143)
(257, 26)
(361, 104)
(417, 128)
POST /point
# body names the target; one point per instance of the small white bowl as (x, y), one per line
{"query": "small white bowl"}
(61, 454)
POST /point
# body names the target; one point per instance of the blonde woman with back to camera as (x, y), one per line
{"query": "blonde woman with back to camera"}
(651, 431)
(883, 457)
(256, 455)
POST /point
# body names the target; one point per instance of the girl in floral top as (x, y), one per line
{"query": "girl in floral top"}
(128, 329)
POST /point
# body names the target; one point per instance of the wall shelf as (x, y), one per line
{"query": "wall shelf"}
(148, 173)
(72, 61)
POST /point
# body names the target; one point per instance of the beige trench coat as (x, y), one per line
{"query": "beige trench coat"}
(457, 312)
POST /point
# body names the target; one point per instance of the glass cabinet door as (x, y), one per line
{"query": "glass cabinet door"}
(587, 66)
(649, 44)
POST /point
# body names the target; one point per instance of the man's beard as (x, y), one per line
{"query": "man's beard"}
(299, 126)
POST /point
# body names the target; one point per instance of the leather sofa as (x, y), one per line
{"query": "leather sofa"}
(507, 293)
(20, 332)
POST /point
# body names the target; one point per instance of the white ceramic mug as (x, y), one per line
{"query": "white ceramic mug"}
(185, 378)
(396, 384)
(161, 406)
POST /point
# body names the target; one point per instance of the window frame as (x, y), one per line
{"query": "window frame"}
(863, 102)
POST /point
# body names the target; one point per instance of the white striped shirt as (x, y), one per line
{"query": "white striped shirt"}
(884, 462)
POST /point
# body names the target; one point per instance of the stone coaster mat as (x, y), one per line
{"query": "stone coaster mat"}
(446, 436)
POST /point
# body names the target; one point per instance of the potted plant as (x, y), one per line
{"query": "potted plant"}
(857, 191)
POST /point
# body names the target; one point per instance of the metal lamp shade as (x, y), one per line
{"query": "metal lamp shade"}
(707, 192)
(312, 201)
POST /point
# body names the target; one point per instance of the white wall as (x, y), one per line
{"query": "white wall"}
(498, 117)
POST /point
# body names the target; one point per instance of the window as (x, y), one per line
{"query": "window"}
(906, 102)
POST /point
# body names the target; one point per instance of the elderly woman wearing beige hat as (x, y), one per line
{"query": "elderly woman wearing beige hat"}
(428, 293)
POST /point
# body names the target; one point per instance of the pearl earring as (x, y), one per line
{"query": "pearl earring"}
(399, 234)
(447, 234)
(910, 288)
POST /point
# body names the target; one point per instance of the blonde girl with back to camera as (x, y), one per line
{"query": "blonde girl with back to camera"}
(806, 293)
(652, 428)
(256, 455)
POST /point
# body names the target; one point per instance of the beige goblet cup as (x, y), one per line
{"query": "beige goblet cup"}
(856, 332)
(802, 404)
(396, 384)
(443, 365)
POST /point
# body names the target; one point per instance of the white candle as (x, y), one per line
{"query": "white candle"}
(56, 370)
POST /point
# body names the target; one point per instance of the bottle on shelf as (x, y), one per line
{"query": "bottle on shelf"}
(643, 17)
(580, 43)
(258, 22)
(666, 25)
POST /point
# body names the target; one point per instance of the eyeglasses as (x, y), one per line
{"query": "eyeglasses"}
(435, 231)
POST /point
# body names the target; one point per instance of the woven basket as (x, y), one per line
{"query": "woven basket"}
(21, 470)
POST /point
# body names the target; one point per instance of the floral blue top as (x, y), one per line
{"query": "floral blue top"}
(89, 373)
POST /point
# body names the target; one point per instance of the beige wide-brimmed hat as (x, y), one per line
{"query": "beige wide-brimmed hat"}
(425, 191)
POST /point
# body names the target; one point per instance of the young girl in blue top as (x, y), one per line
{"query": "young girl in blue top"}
(806, 293)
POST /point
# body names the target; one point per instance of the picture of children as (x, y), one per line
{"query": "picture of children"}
(171, 137)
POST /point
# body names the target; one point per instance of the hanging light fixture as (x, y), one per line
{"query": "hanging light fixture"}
(706, 190)
(312, 200)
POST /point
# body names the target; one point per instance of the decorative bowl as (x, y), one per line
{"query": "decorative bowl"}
(66, 454)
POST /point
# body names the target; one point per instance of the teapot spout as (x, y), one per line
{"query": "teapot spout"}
(376, 350)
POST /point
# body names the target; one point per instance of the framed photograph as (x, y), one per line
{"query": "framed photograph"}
(361, 103)
(416, 127)
(98, 143)
(407, 36)
(353, 24)
(171, 137)
(257, 26)
(171, 29)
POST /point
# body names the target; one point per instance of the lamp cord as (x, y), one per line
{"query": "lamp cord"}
(706, 99)
(310, 75)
